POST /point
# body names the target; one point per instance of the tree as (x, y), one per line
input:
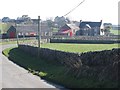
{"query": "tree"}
(24, 19)
(0, 31)
(5, 19)
(107, 27)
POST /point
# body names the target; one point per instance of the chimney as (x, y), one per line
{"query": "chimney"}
(80, 21)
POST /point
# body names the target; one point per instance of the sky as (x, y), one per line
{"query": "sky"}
(90, 10)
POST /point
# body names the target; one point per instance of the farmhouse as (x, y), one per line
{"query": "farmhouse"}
(88, 28)
(68, 30)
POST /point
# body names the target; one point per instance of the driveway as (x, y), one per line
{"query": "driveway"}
(13, 76)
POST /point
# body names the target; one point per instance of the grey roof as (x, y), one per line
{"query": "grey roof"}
(32, 28)
(73, 26)
(69, 26)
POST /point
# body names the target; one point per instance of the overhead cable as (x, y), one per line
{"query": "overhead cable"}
(74, 8)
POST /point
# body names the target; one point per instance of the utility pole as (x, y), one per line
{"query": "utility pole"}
(16, 32)
(39, 38)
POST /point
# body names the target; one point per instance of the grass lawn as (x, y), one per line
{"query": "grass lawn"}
(51, 71)
(79, 47)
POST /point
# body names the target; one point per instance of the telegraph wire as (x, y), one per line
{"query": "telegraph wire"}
(74, 8)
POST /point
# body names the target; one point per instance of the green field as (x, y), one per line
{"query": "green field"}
(79, 47)
(115, 32)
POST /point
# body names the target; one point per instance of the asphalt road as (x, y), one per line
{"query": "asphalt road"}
(13, 76)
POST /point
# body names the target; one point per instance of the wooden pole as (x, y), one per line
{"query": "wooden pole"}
(38, 34)
(16, 32)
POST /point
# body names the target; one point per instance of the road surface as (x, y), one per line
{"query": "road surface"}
(13, 76)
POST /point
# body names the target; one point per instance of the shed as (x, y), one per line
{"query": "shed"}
(11, 33)
(68, 29)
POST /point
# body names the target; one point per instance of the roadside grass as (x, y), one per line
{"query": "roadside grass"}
(45, 69)
(79, 47)
(9, 42)
(52, 72)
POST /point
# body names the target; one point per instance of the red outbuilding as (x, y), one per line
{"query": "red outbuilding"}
(11, 33)
(68, 29)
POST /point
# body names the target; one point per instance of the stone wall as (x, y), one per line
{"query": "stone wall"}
(100, 65)
(89, 41)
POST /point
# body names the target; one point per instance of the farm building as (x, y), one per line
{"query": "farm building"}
(32, 30)
(68, 29)
(89, 28)
(26, 30)
(11, 33)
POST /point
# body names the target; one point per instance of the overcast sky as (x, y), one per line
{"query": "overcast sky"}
(90, 10)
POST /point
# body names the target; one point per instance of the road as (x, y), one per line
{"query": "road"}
(13, 76)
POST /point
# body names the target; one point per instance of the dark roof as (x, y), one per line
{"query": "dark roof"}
(91, 24)
(12, 28)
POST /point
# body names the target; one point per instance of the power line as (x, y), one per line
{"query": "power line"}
(74, 8)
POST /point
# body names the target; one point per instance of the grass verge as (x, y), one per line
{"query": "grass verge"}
(9, 42)
(52, 72)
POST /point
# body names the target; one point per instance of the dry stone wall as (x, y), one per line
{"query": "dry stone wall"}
(101, 65)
